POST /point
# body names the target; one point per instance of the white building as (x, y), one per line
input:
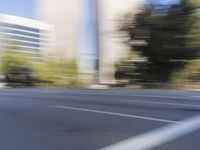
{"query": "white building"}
(26, 36)
(70, 16)
(65, 15)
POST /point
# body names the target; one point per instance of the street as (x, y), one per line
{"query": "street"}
(67, 119)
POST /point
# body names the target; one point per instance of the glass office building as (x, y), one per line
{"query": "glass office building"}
(27, 36)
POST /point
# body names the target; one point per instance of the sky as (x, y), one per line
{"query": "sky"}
(165, 1)
(23, 8)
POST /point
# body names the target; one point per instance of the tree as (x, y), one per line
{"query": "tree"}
(16, 68)
(189, 74)
(56, 73)
(168, 36)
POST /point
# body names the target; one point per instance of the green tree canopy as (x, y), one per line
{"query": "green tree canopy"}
(165, 34)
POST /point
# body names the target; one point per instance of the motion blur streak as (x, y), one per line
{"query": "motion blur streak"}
(160, 136)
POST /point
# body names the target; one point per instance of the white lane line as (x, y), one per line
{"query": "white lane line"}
(158, 137)
(136, 95)
(115, 114)
(160, 103)
(140, 95)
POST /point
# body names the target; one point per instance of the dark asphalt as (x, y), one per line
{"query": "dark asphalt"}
(29, 119)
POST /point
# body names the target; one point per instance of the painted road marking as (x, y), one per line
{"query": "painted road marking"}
(140, 95)
(115, 114)
(136, 95)
(158, 137)
(160, 103)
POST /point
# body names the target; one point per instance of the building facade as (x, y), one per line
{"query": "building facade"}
(86, 30)
(65, 15)
(21, 35)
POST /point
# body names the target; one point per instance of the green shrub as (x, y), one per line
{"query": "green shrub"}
(19, 70)
(190, 73)
(56, 73)
(16, 68)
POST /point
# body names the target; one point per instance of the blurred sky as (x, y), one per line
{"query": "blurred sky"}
(164, 1)
(23, 8)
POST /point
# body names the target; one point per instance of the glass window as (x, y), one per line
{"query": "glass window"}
(29, 44)
(20, 27)
(25, 39)
(24, 33)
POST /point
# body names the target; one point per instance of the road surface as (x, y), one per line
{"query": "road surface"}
(64, 119)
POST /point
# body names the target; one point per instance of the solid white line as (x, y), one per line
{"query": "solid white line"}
(135, 95)
(159, 96)
(115, 114)
(139, 95)
(161, 103)
(158, 137)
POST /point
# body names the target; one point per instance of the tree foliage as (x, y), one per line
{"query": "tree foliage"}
(168, 36)
(16, 68)
(56, 73)
(20, 70)
(189, 74)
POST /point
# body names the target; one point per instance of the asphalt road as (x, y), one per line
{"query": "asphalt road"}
(63, 119)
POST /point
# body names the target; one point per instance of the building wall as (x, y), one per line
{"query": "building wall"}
(26, 36)
(64, 14)
(70, 20)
